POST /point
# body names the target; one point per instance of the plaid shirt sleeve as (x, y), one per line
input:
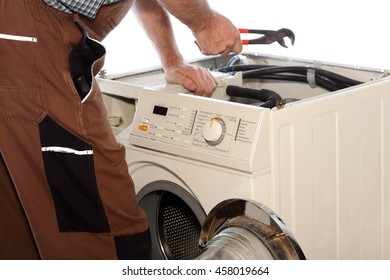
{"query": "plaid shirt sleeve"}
(88, 8)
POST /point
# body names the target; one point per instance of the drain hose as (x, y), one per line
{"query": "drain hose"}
(269, 97)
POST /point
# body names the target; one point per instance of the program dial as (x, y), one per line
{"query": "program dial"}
(214, 131)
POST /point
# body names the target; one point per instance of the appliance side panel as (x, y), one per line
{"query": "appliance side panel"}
(293, 177)
(286, 169)
(349, 193)
(371, 178)
(324, 152)
(386, 176)
(330, 163)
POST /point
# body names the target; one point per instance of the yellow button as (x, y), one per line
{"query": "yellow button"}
(143, 127)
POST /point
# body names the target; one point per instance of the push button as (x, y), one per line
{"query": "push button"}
(143, 127)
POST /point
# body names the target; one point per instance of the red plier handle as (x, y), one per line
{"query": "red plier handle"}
(269, 36)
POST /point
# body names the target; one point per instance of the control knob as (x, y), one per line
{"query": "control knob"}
(214, 131)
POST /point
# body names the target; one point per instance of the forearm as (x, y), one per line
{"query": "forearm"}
(214, 33)
(193, 13)
(156, 23)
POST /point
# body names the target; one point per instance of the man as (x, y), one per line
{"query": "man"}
(65, 189)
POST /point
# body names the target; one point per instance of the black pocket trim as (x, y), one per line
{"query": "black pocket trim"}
(69, 168)
(133, 247)
(81, 59)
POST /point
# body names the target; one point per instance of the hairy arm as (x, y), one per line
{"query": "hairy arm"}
(215, 33)
(157, 25)
(156, 22)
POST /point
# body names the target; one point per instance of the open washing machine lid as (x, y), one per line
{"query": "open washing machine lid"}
(240, 229)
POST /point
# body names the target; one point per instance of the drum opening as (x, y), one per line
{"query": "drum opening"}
(175, 221)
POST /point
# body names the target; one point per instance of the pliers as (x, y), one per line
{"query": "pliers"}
(269, 37)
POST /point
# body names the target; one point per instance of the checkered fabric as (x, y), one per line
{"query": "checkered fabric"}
(88, 8)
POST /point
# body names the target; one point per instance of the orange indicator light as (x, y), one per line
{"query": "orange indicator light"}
(143, 127)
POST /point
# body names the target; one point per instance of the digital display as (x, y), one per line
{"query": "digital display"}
(159, 110)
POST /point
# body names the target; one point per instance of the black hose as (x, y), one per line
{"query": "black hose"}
(300, 70)
(319, 81)
(269, 97)
(323, 78)
(241, 67)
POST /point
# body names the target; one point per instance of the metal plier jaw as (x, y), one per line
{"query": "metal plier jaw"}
(269, 37)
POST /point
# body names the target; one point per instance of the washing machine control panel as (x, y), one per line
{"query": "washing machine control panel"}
(215, 131)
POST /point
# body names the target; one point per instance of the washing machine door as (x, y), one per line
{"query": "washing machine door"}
(234, 229)
(245, 230)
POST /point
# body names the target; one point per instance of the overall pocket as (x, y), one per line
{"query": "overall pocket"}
(21, 97)
(81, 60)
(19, 61)
(69, 167)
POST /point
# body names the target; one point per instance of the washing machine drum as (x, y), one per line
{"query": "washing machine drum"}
(175, 220)
(234, 229)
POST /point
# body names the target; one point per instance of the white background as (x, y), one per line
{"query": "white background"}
(113, 270)
(347, 32)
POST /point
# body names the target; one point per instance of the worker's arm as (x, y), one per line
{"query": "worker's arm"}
(157, 25)
(214, 33)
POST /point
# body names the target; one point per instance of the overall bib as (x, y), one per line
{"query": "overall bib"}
(65, 191)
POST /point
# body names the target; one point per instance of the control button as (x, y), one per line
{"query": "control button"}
(159, 127)
(143, 127)
(178, 131)
(175, 139)
(214, 131)
(145, 120)
(179, 124)
(181, 116)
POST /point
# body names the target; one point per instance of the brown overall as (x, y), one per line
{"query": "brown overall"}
(65, 191)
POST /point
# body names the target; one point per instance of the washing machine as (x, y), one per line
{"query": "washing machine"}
(233, 177)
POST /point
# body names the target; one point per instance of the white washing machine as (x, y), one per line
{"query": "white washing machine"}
(206, 169)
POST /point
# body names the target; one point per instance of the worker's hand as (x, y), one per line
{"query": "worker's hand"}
(218, 36)
(195, 79)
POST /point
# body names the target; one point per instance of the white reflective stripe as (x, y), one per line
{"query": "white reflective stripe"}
(18, 38)
(66, 150)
